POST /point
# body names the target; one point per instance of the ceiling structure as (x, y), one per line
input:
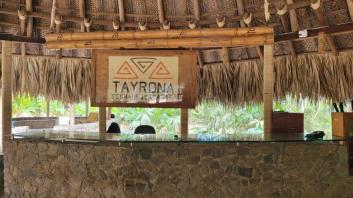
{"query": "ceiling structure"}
(98, 15)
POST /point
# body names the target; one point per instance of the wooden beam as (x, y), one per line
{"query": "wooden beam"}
(332, 29)
(164, 43)
(184, 122)
(10, 37)
(322, 20)
(268, 88)
(109, 113)
(102, 119)
(6, 90)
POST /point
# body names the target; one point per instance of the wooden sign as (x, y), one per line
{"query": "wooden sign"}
(144, 78)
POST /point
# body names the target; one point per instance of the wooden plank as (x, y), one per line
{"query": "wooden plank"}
(268, 88)
(6, 91)
(186, 80)
(102, 119)
(184, 123)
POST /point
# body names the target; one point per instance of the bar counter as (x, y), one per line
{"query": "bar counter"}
(77, 164)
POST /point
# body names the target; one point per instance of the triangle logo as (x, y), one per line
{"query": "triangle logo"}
(143, 64)
(125, 72)
(161, 72)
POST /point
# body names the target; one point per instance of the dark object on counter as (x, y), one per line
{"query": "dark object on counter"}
(336, 107)
(112, 116)
(341, 107)
(176, 137)
(145, 129)
(114, 128)
(316, 135)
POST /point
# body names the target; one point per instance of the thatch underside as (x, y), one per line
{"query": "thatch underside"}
(314, 76)
(66, 80)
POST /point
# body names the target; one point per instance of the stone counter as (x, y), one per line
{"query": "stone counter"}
(42, 169)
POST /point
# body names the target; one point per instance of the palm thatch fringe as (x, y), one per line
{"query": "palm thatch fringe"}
(66, 80)
(314, 76)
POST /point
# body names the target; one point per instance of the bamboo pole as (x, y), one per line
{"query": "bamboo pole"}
(166, 43)
(184, 118)
(197, 14)
(102, 119)
(268, 88)
(82, 13)
(159, 34)
(6, 91)
(58, 21)
(160, 11)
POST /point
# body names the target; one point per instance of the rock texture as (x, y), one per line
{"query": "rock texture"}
(40, 169)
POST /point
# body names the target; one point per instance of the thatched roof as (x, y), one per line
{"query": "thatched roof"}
(313, 75)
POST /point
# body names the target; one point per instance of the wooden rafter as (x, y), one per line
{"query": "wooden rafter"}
(160, 11)
(350, 8)
(197, 14)
(122, 13)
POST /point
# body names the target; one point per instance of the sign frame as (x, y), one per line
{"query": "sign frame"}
(187, 75)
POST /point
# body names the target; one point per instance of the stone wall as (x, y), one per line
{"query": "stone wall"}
(39, 169)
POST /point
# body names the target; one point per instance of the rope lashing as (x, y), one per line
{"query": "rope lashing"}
(221, 21)
(58, 20)
(247, 18)
(87, 22)
(166, 25)
(192, 24)
(283, 10)
(22, 15)
(143, 26)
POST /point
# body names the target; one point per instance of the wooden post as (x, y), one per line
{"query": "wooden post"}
(102, 119)
(184, 119)
(47, 104)
(197, 14)
(58, 21)
(268, 88)
(226, 56)
(6, 91)
(87, 108)
(109, 112)
(72, 114)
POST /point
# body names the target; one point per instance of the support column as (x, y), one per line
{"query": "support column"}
(268, 88)
(72, 114)
(102, 119)
(184, 119)
(109, 112)
(6, 91)
(87, 108)
(47, 104)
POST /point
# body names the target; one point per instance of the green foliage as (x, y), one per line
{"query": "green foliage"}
(205, 118)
